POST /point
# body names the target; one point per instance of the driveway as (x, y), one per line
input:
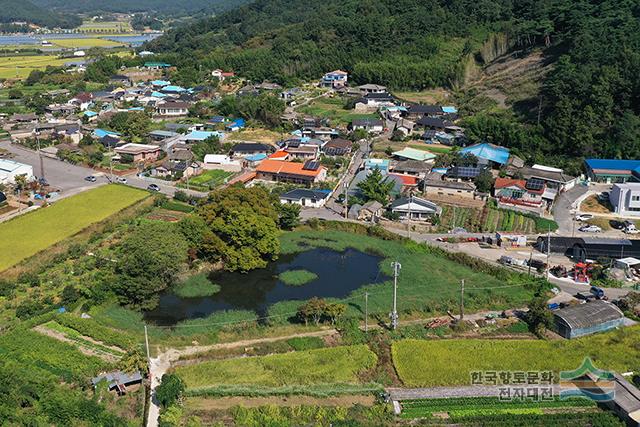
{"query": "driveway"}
(564, 205)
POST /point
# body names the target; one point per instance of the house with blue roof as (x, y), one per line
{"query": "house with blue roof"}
(173, 89)
(90, 115)
(613, 170)
(101, 133)
(201, 135)
(217, 119)
(156, 65)
(235, 125)
(488, 153)
(380, 164)
(160, 83)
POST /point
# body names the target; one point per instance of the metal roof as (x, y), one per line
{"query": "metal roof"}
(612, 164)
(590, 314)
(488, 151)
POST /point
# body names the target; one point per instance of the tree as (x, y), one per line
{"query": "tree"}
(335, 311)
(243, 228)
(539, 316)
(20, 182)
(210, 145)
(312, 310)
(288, 215)
(15, 93)
(148, 260)
(134, 360)
(170, 390)
(376, 187)
(133, 125)
(484, 181)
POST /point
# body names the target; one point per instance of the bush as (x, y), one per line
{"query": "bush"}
(305, 343)
(170, 389)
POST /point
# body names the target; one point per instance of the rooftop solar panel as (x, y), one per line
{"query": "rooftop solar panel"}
(311, 165)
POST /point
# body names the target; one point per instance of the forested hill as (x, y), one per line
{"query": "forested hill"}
(21, 10)
(163, 7)
(589, 103)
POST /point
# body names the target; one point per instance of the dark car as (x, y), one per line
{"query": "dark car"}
(617, 225)
(153, 187)
(90, 178)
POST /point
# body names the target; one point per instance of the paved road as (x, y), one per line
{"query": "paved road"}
(70, 179)
(563, 207)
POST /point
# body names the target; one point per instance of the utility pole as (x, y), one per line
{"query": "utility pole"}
(366, 311)
(462, 299)
(548, 250)
(409, 219)
(394, 314)
(42, 179)
(146, 341)
(345, 185)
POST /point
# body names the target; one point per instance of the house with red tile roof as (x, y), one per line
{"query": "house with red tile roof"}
(526, 194)
(298, 173)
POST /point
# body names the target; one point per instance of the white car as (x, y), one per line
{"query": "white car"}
(121, 180)
(583, 217)
(590, 229)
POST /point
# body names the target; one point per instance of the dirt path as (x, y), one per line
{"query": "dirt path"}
(84, 350)
(207, 404)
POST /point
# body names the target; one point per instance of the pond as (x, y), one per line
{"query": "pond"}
(338, 274)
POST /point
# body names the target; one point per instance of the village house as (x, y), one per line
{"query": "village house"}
(24, 118)
(434, 184)
(303, 152)
(371, 88)
(222, 75)
(82, 100)
(612, 171)
(140, 152)
(337, 147)
(281, 155)
(370, 211)
(409, 153)
(172, 109)
(335, 79)
(9, 169)
(516, 192)
(296, 173)
(60, 109)
(418, 111)
(244, 149)
(373, 101)
(415, 208)
(405, 127)
(306, 197)
(370, 125)
(489, 154)
(118, 381)
(120, 80)
(553, 178)
(415, 168)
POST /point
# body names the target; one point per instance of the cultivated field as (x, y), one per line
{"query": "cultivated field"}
(31, 233)
(450, 362)
(336, 365)
(105, 27)
(85, 43)
(20, 66)
(334, 110)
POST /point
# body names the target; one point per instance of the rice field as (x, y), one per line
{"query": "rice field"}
(21, 66)
(33, 232)
(450, 362)
(85, 43)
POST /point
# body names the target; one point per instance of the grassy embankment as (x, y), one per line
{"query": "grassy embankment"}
(33, 232)
(451, 362)
(297, 277)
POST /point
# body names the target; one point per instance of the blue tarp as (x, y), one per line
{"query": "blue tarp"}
(201, 135)
(90, 113)
(236, 123)
(217, 119)
(161, 83)
(172, 88)
(489, 152)
(449, 110)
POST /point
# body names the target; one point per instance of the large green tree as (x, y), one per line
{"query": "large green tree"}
(376, 187)
(148, 260)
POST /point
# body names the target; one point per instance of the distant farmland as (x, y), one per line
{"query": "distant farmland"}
(31, 233)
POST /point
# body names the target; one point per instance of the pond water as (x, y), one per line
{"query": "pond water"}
(339, 274)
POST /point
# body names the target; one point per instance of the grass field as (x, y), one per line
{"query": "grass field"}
(333, 109)
(33, 232)
(256, 135)
(21, 66)
(431, 96)
(450, 362)
(85, 43)
(336, 365)
(208, 180)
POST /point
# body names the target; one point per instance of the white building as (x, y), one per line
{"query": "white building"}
(415, 208)
(10, 169)
(625, 198)
(306, 197)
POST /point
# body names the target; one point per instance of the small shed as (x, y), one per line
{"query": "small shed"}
(118, 380)
(588, 318)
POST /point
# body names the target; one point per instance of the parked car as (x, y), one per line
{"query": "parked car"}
(91, 178)
(590, 229)
(603, 197)
(630, 228)
(153, 187)
(583, 217)
(597, 292)
(617, 225)
(121, 180)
